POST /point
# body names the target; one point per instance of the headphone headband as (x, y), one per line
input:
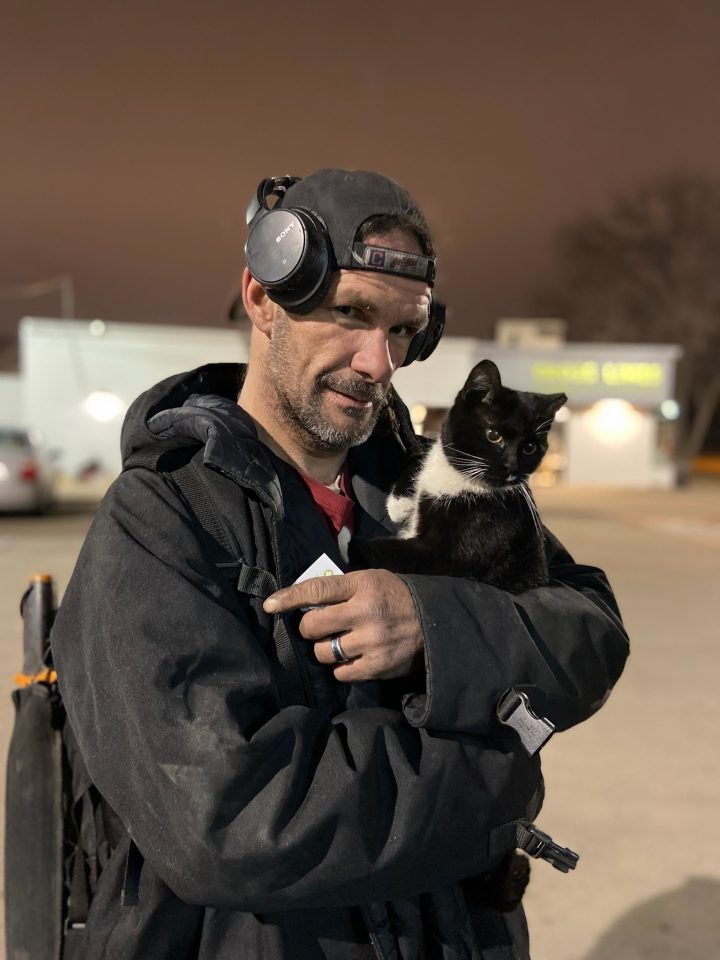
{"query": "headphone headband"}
(270, 186)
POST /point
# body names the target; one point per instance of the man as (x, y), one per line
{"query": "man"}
(314, 771)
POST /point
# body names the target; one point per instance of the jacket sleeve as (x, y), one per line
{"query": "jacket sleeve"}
(234, 801)
(563, 644)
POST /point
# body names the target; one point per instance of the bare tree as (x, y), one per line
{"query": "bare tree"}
(648, 270)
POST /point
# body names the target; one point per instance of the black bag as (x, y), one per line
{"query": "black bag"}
(59, 831)
(56, 825)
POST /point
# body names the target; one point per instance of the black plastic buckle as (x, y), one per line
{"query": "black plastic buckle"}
(514, 711)
(543, 847)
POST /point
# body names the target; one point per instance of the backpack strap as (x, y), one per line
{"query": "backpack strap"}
(195, 496)
(82, 866)
(250, 580)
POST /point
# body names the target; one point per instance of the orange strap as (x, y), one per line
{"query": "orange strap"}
(44, 676)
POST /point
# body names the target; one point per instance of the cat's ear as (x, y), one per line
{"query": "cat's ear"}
(553, 402)
(484, 379)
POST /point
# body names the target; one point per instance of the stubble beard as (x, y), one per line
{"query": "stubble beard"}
(303, 413)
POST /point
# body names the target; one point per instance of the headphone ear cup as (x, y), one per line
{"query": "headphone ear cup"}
(289, 252)
(416, 345)
(424, 343)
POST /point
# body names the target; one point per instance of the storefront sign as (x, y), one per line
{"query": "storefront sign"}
(624, 375)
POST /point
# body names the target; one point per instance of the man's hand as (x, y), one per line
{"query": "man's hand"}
(372, 611)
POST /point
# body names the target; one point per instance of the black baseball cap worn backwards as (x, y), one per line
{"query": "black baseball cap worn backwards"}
(312, 229)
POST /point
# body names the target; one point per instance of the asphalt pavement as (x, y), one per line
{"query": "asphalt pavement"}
(635, 788)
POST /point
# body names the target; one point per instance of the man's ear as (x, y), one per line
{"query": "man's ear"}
(258, 305)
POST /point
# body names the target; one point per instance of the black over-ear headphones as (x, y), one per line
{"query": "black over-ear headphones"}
(289, 252)
(423, 343)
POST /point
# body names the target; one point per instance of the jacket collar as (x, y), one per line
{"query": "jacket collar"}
(231, 445)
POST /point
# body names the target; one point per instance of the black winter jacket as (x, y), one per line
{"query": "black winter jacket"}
(264, 826)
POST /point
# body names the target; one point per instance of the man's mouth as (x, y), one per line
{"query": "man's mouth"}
(357, 395)
(355, 401)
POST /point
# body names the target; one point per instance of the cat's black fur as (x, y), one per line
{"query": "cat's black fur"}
(492, 534)
(467, 508)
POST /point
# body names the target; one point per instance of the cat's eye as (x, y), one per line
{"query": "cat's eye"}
(529, 448)
(494, 436)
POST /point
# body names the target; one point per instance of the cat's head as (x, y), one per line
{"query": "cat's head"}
(496, 434)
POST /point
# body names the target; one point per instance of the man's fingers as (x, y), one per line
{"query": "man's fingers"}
(324, 650)
(324, 621)
(311, 593)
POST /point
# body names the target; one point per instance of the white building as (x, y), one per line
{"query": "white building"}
(77, 379)
(616, 429)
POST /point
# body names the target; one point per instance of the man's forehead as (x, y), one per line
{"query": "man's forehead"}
(379, 288)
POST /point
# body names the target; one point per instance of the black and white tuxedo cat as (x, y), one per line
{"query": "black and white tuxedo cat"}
(464, 503)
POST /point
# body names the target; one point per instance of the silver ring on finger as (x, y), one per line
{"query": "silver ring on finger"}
(337, 650)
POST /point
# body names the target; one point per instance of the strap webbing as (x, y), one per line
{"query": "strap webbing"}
(256, 582)
(193, 490)
(261, 583)
(251, 580)
(83, 876)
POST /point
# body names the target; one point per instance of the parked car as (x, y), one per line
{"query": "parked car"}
(27, 473)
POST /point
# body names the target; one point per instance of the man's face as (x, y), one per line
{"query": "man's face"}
(330, 370)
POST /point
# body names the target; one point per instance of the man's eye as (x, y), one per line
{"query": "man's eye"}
(353, 313)
(493, 436)
(403, 330)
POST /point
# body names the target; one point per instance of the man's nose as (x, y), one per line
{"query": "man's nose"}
(373, 359)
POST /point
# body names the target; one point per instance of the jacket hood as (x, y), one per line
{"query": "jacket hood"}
(143, 445)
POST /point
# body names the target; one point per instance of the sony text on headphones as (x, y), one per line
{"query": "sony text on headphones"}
(293, 252)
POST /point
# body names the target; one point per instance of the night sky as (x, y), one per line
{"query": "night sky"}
(133, 134)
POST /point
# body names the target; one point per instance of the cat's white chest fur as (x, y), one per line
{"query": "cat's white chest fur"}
(437, 478)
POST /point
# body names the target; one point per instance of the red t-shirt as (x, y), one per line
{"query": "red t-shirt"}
(337, 506)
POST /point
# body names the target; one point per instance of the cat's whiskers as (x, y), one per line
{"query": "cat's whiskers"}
(524, 490)
(468, 463)
(464, 455)
(477, 474)
(472, 466)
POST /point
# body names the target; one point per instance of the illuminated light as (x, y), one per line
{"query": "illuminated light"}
(97, 328)
(543, 478)
(418, 413)
(554, 462)
(103, 405)
(583, 374)
(4, 472)
(670, 409)
(614, 421)
(624, 374)
(590, 373)
(29, 471)
(563, 415)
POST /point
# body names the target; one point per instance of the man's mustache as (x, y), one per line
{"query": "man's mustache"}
(358, 389)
